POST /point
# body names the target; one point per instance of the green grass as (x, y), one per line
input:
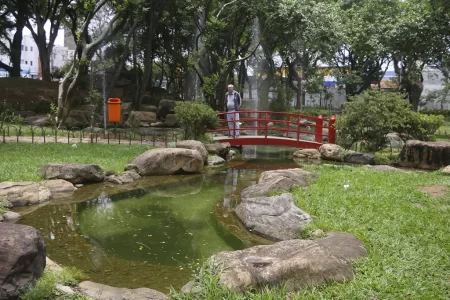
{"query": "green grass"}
(406, 233)
(23, 161)
(44, 288)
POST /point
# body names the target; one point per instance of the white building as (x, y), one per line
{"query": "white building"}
(29, 61)
(60, 55)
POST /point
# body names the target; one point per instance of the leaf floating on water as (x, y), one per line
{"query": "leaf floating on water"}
(163, 242)
(149, 215)
(141, 248)
(149, 235)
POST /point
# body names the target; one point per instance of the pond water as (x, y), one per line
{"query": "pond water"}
(155, 232)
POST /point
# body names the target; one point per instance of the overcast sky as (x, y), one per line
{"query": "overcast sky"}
(59, 39)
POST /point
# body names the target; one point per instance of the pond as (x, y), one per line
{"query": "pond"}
(156, 232)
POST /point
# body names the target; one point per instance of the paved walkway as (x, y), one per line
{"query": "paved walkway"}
(86, 140)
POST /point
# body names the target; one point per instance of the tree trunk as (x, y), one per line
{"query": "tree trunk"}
(16, 53)
(148, 59)
(16, 46)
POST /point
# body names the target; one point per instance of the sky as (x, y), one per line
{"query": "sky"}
(59, 39)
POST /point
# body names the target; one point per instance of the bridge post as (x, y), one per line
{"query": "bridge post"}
(265, 130)
(288, 123)
(332, 130)
(319, 129)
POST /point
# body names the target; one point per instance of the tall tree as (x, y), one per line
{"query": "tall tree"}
(13, 17)
(46, 11)
(414, 43)
(363, 57)
(80, 17)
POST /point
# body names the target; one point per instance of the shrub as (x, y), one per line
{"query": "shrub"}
(370, 116)
(315, 112)
(436, 112)
(382, 160)
(196, 119)
(422, 127)
(3, 206)
(44, 288)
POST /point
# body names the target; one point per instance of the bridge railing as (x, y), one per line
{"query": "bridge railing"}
(281, 124)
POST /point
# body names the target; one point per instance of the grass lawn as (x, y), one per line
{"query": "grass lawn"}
(23, 161)
(406, 232)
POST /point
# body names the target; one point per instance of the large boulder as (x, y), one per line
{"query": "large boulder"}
(359, 158)
(276, 218)
(74, 173)
(24, 193)
(215, 160)
(101, 291)
(394, 140)
(278, 181)
(332, 152)
(220, 149)
(166, 107)
(136, 118)
(425, 155)
(307, 154)
(59, 187)
(38, 120)
(295, 263)
(171, 120)
(194, 145)
(150, 108)
(167, 161)
(11, 217)
(78, 119)
(22, 258)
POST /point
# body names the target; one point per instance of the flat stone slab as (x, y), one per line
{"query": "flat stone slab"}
(277, 217)
(385, 168)
(101, 292)
(295, 263)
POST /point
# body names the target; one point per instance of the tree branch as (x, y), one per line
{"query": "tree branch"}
(226, 4)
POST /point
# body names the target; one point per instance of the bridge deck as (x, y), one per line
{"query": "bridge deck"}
(270, 140)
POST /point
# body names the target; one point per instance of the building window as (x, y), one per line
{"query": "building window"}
(31, 62)
(26, 48)
(22, 48)
(26, 62)
(31, 48)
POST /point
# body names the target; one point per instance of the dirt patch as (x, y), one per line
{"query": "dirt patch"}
(434, 191)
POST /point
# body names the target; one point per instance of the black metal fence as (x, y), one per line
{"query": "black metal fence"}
(17, 133)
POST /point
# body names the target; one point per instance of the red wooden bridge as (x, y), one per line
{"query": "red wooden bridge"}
(276, 129)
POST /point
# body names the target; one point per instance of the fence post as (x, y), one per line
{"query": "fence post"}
(287, 125)
(258, 115)
(332, 130)
(265, 130)
(319, 129)
(298, 127)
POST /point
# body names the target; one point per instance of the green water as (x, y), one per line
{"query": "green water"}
(153, 233)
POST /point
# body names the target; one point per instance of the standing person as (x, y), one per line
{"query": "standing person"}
(232, 107)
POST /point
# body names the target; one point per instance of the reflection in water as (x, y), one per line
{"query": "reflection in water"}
(230, 199)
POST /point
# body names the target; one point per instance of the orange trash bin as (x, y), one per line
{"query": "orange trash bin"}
(114, 112)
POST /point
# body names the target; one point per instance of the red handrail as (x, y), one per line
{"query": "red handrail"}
(265, 120)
